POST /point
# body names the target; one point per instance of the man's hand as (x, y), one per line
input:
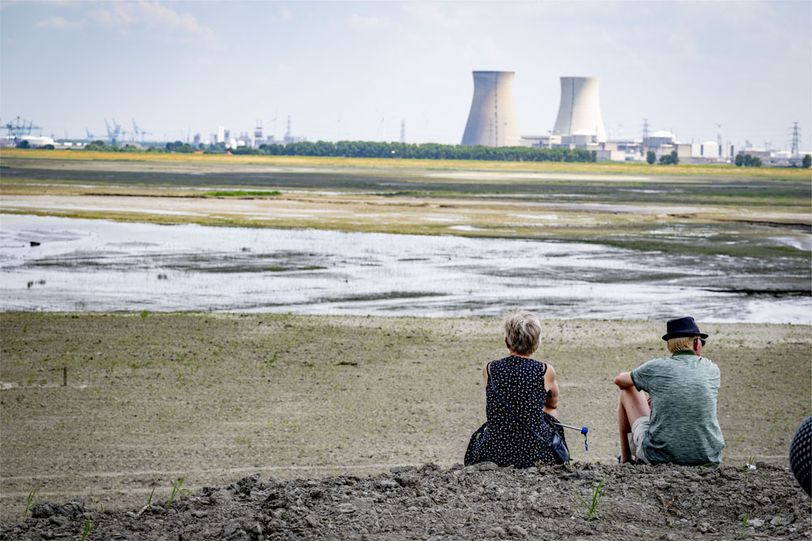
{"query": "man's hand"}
(624, 380)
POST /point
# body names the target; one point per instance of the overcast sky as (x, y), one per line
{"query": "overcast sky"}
(354, 70)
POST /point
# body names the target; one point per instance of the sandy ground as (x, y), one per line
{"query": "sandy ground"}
(212, 398)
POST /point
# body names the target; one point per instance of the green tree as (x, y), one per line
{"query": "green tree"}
(98, 144)
(651, 157)
(739, 160)
(674, 157)
(807, 161)
(23, 144)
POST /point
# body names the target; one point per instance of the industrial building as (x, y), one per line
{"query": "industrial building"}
(492, 120)
(579, 119)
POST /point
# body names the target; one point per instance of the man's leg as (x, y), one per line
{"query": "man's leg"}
(632, 406)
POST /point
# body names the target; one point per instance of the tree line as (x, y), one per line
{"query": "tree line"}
(428, 151)
(373, 149)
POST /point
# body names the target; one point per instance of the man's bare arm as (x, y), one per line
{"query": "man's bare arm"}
(624, 380)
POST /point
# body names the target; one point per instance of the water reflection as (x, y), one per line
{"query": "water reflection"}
(106, 266)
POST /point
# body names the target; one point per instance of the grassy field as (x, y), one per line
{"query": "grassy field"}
(617, 168)
(688, 209)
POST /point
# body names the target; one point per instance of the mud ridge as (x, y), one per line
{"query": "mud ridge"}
(482, 501)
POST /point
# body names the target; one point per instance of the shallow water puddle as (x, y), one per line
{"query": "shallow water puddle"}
(95, 265)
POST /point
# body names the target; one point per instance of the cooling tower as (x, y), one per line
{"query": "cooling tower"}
(580, 110)
(492, 120)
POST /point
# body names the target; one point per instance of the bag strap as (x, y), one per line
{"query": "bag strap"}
(498, 395)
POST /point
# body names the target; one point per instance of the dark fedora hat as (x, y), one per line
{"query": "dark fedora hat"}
(684, 326)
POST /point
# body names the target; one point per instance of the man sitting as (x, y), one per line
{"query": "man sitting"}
(677, 422)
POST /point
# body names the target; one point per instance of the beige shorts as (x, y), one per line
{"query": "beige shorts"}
(639, 429)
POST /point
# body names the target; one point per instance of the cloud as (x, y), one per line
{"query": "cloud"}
(60, 23)
(365, 21)
(284, 14)
(150, 14)
(434, 14)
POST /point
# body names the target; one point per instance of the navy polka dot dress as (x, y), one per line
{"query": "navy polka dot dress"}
(507, 441)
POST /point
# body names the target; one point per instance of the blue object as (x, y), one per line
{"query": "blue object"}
(584, 430)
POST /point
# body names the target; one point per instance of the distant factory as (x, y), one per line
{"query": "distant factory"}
(493, 121)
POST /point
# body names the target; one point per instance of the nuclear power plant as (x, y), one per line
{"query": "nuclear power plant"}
(579, 112)
(492, 121)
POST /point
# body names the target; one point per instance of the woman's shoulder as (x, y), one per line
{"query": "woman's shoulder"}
(514, 360)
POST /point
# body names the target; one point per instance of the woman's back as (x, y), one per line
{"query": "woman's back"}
(518, 430)
(515, 397)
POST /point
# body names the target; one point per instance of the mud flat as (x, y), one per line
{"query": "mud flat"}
(103, 266)
(213, 398)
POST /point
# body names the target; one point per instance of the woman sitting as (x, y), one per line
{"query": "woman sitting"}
(521, 400)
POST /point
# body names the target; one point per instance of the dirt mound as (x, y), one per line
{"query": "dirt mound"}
(572, 501)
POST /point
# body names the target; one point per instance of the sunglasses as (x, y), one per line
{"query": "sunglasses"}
(701, 340)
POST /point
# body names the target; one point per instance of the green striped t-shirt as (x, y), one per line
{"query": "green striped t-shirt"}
(683, 428)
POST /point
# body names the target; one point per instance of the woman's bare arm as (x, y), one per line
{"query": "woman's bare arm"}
(551, 385)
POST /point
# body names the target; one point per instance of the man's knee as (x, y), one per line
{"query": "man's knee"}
(634, 403)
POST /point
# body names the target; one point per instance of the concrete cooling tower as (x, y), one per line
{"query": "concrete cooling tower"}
(580, 110)
(492, 120)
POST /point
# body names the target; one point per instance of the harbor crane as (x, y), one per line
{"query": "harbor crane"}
(139, 132)
(113, 133)
(19, 128)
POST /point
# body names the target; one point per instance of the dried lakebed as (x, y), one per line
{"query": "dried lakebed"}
(215, 397)
(96, 265)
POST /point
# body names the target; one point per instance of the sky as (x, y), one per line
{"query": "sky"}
(356, 70)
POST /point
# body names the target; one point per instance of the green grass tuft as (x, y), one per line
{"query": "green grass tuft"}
(243, 193)
(592, 508)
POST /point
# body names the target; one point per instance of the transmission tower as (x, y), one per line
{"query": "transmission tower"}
(258, 137)
(719, 139)
(402, 131)
(796, 140)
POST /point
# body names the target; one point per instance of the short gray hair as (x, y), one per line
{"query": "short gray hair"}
(522, 332)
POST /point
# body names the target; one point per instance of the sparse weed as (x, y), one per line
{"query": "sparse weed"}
(592, 508)
(144, 314)
(95, 502)
(149, 499)
(177, 490)
(245, 440)
(29, 501)
(745, 520)
(270, 362)
(86, 529)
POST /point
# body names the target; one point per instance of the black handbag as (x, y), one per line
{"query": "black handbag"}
(473, 452)
(557, 444)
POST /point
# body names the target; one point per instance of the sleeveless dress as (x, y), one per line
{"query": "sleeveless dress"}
(515, 397)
